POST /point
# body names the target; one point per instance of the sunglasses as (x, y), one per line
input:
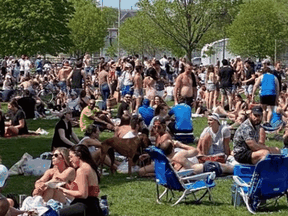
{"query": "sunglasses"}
(56, 155)
(157, 127)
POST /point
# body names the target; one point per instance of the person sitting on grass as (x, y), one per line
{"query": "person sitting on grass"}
(85, 188)
(61, 172)
(91, 140)
(183, 121)
(124, 126)
(159, 131)
(63, 131)
(215, 138)
(17, 124)
(93, 115)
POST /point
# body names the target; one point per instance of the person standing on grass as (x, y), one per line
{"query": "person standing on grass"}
(226, 75)
(103, 83)
(77, 77)
(269, 93)
(184, 86)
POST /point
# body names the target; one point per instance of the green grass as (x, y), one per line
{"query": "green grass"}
(125, 197)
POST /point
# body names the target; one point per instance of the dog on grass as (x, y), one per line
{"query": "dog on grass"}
(131, 148)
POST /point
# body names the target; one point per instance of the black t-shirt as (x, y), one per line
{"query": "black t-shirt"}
(28, 106)
(15, 121)
(123, 106)
(57, 142)
(249, 73)
(226, 76)
(278, 75)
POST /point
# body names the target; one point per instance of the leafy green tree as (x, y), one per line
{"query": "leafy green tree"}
(110, 16)
(185, 22)
(88, 27)
(255, 29)
(139, 35)
(34, 26)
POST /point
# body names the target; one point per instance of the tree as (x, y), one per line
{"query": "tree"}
(88, 27)
(185, 22)
(139, 35)
(34, 26)
(255, 29)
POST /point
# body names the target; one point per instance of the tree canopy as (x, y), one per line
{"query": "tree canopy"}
(255, 29)
(185, 22)
(34, 26)
(88, 27)
(139, 35)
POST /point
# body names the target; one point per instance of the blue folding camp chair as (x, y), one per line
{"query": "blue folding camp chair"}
(268, 181)
(179, 181)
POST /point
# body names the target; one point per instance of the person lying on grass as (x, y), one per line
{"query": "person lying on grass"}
(61, 172)
(180, 159)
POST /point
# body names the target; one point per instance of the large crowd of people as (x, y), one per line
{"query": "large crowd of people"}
(83, 96)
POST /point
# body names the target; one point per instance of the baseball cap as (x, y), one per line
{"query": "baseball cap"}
(257, 110)
(3, 175)
(160, 119)
(215, 116)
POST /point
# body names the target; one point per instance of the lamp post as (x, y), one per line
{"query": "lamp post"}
(119, 19)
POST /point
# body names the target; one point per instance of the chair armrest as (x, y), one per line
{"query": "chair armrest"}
(240, 182)
(184, 173)
(202, 176)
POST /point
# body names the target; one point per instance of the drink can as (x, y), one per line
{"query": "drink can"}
(22, 197)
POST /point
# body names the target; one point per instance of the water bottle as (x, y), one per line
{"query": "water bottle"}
(104, 205)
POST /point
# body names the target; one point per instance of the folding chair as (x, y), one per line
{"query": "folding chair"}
(268, 181)
(179, 181)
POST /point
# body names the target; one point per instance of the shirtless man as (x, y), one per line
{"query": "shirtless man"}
(181, 162)
(87, 63)
(103, 83)
(124, 128)
(183, 86)
(138, 86)
(62, 76)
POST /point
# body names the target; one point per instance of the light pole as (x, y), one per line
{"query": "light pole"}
(119, 19)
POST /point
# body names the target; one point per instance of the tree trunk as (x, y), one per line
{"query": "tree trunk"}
(189, 55)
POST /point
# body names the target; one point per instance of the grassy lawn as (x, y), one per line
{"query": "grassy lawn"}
(125, 197)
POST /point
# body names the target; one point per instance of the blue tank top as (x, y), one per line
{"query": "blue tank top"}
(268, 85)
(275, 116)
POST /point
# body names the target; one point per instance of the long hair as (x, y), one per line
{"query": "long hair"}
(65, 153)
(83, 153)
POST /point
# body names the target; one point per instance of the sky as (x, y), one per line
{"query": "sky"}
(125, 4)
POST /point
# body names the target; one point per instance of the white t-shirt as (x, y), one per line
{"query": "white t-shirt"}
(27, 64)
(22, 64)
(217, 138)
(169, 90)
